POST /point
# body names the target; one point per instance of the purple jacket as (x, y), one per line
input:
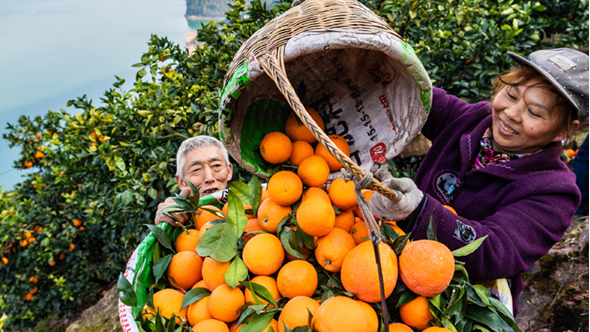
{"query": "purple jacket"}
(524, 205)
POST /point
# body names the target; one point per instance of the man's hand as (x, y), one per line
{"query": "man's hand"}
(410, 197)
(182, 218)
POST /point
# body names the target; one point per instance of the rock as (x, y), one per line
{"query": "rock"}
(555, 294)
(103, 316)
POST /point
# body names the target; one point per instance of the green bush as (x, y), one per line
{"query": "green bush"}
(110, 165)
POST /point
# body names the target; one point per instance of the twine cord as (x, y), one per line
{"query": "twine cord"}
(373, 230)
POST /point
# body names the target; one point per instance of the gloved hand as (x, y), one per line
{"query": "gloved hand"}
(410, 197)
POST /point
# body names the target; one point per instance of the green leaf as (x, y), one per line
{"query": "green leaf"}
(258, 291)
(256, 193)
(194, 295)
(285, 237)
(400, 243)
(406, 297)
(431, 231)
(194, 189)
(258, 323)
(242, 191)
(159, 323)
(160, 236)
(160, 267)
(126, 292)
(236, 217)
(150, 299)
(468, 249)
(219, 242)
(120, 163)
(236, 272)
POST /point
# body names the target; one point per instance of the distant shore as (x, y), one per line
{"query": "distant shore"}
(196, 17)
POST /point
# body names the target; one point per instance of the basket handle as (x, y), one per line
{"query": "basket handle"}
(274, 67)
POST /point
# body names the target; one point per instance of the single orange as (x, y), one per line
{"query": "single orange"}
(285, 188)
(76, 222)
(187, 241)
(315, 192)
(341, 144)
(265, 194)
(399, 327)
(316, 216)
(436, 329)
(202, 216)
(359, 232)
(200, 284)
(211, 325)
(372, 317)
(345, 220)
(198, 311)
(270, 214)
(296, 129)
(342, 194)
(332, 248)
(168, 302)
(359, 274)
(340, 313)
(263, 254)
(214, 273)
(300, 151)
(185, 269)
(296, 312)
(225, 303)
(416, 313)
(313, 171)
(267, 282)
(426, 267)
(252, 226)
(297, 278)
(276, 148)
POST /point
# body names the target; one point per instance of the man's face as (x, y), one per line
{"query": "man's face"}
(206, 168)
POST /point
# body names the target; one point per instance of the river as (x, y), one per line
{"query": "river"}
(52, 51)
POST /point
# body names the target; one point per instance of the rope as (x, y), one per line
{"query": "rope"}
(373, 229)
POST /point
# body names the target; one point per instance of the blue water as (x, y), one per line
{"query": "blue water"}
(52, 51)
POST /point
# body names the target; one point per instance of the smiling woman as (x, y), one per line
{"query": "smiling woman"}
(500, 172)
(528, 113)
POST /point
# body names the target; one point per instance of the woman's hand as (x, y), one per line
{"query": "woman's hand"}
(410, 197)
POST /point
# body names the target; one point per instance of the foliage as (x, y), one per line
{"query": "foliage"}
(110, 165)
(463, 44)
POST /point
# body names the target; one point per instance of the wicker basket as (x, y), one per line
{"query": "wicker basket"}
(339, 58)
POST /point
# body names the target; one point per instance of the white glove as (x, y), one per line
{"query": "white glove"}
(410, 197)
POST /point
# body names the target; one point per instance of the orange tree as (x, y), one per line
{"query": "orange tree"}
(99, 170)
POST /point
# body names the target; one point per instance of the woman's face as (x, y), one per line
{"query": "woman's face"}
(525, 119)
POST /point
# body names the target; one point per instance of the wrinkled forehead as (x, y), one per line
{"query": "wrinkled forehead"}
(204, 155)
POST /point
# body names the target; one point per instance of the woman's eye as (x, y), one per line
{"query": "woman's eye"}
(534, 114)
(511, 97)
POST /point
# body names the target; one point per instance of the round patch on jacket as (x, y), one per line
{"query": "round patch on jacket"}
(446, 184)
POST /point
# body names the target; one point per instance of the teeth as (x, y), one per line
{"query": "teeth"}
(508, 130)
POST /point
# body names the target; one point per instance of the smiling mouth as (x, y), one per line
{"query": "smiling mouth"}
(508, 130)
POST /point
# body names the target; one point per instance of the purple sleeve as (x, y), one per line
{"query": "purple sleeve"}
(445, 109)
(519, 233)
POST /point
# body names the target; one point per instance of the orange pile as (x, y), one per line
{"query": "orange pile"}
(329, 233)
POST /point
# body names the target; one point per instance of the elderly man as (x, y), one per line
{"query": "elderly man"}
(202, 160)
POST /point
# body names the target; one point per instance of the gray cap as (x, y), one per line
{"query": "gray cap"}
(566, 69)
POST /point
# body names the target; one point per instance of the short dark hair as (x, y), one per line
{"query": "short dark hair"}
(523, 74)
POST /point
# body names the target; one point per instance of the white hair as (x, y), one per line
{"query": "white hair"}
(195, 143)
